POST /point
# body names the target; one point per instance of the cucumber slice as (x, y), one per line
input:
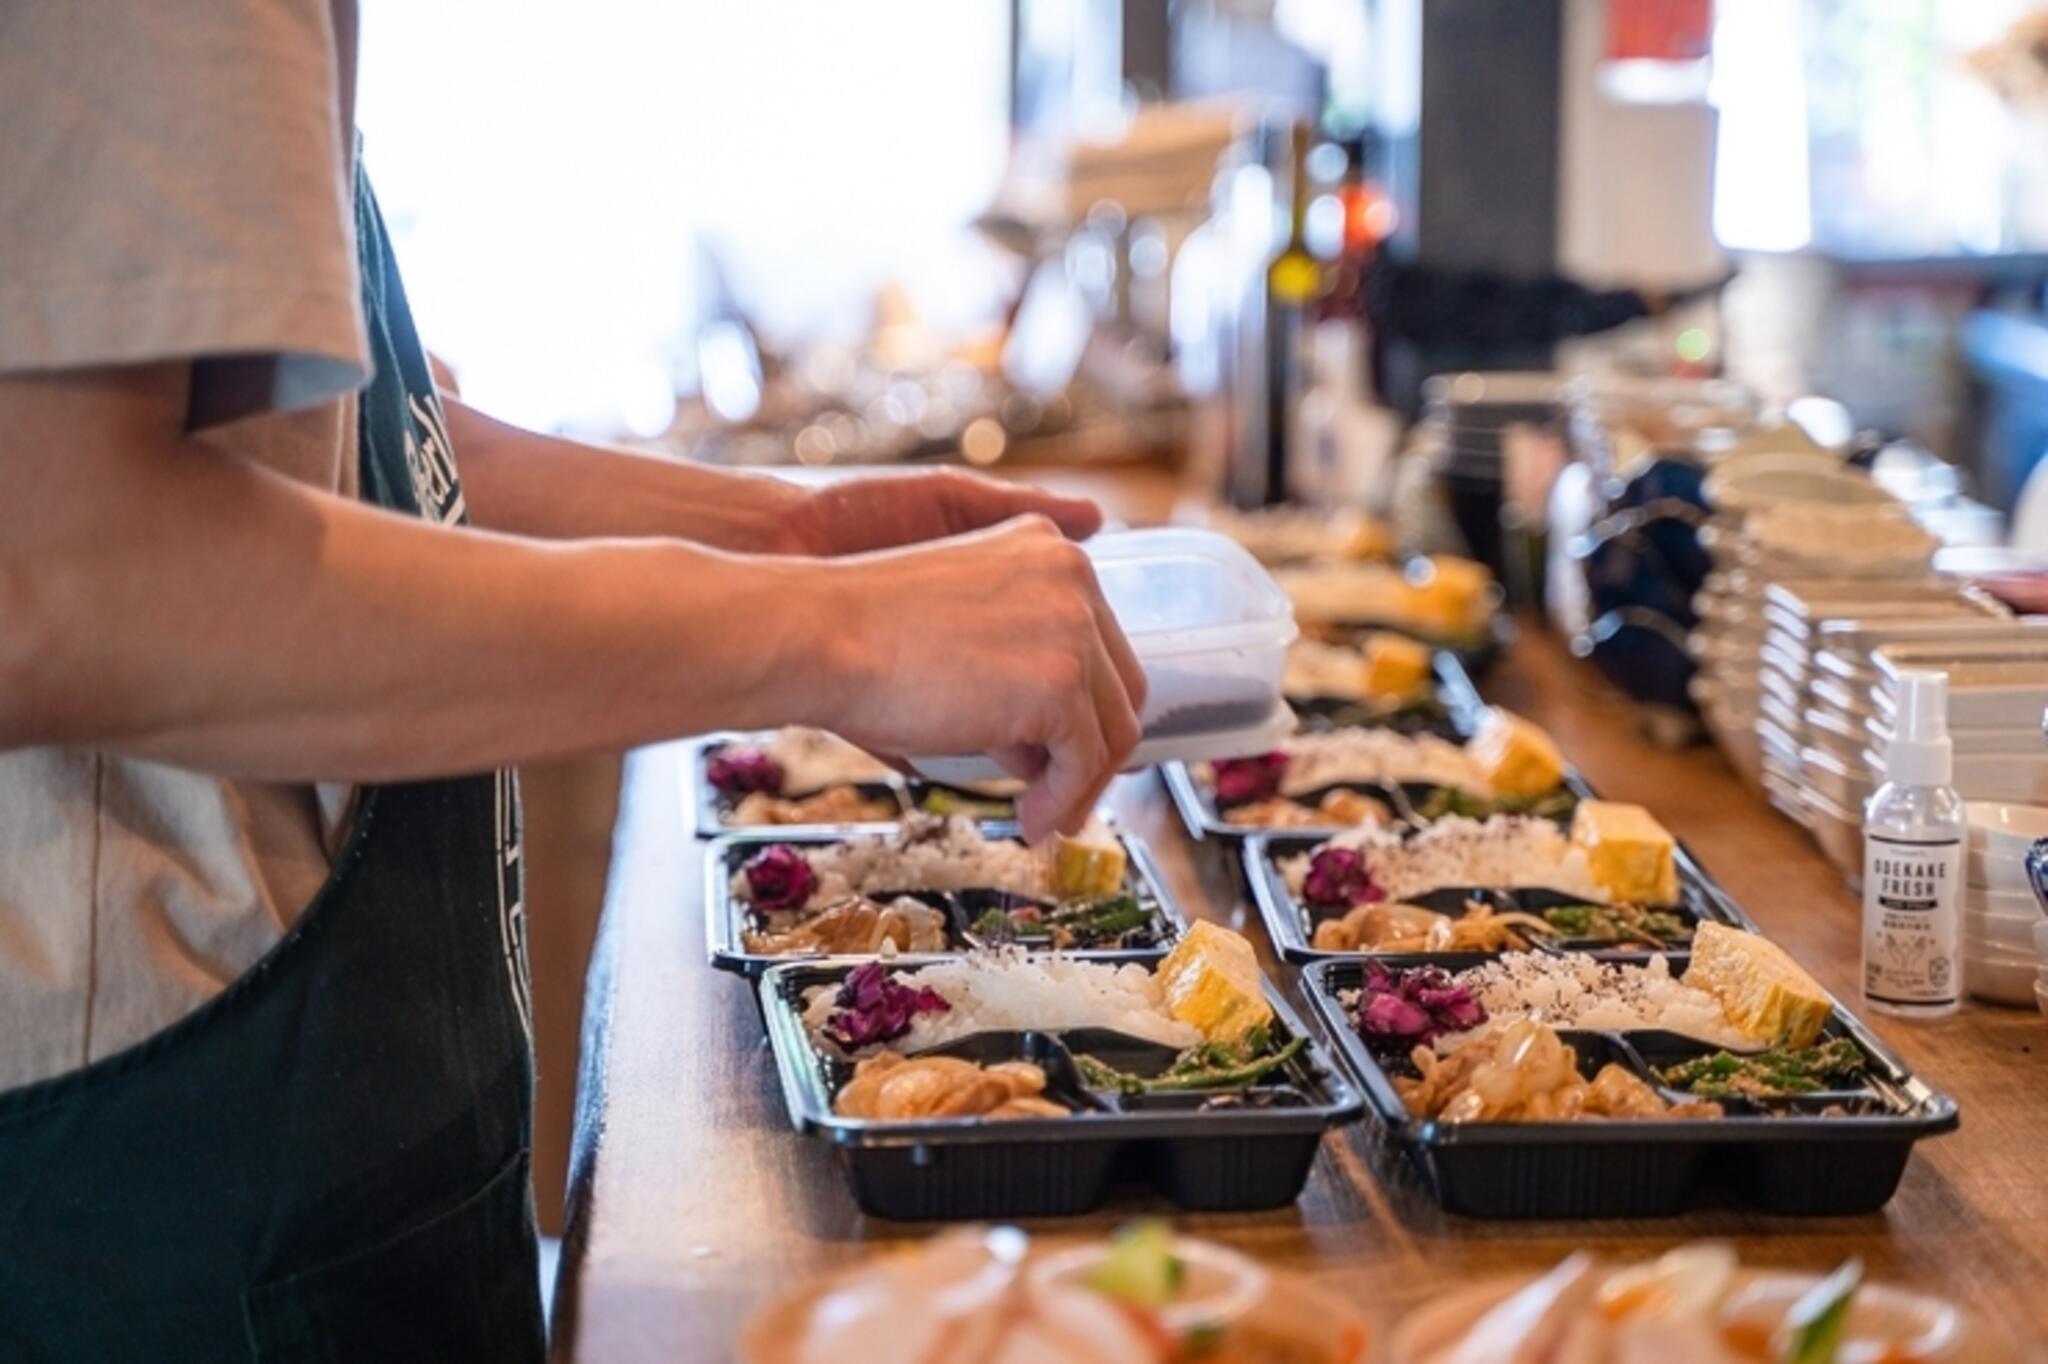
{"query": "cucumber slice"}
(1140, 1268)
(1813, 1328)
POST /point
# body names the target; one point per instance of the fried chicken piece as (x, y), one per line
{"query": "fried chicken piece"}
(1353, 807)
(1411, 928)
(1277, 812)
(891, 1087)
(1527, 1074)
(858, 926)
(1336, 807)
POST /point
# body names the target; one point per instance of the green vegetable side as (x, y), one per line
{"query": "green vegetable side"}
(1769, 1074)
(1109, 922)
(1207, 1065)
(1445, 801)
(1619, 923)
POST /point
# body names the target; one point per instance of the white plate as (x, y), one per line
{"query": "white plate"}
(2006, 826)
(1425, 1334)
(2000, 980)
(2002, 904)
(2002, 937)
(2020, 779)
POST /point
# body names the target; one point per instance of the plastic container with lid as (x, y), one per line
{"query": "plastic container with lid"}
(1210, 627)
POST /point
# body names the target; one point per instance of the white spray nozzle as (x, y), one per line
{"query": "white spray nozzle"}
(1920, 753)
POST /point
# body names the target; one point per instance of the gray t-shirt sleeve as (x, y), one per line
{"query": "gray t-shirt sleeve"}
(176, 184)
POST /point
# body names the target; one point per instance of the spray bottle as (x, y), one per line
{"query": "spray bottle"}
(1913, 832)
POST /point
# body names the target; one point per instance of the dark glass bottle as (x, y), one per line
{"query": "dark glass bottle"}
(1294, 284)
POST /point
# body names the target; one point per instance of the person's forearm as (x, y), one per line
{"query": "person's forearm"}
(529, 484)
(217, 616)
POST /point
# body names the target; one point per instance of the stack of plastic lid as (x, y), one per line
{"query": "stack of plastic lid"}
(1211, 629)
(1997, 690)
(1816, 676)
(1784, 517)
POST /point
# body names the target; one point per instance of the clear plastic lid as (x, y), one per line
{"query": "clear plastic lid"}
(1210, 627)
(1179, 591)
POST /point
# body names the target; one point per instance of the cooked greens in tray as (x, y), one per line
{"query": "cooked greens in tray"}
(1781, 1071)
(944, 885)
(1206, 1065)
(1445, 800)
(1114, 921)
(1619, 924)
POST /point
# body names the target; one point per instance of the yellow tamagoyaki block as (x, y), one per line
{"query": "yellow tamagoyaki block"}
(1212, 982)
(1763, 991)
(1631, 855)
(1516, 757)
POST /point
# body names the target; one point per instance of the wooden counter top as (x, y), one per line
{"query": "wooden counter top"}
(692, 1200)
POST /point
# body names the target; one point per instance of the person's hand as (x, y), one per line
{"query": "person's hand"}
(998, 642)
(885, 511)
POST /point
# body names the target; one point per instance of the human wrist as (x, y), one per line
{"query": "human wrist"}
(805, 625)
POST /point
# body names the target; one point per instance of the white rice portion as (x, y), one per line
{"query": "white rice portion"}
(1506, 852)
(1008, 991)
(1359, 755)
(923, 855)
(1575, 991)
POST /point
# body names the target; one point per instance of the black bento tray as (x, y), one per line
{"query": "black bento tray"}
(1780, 1156)
(1461, 706)
(906, 793)
(1290, 925)
(1238, 1159)
(724, 916)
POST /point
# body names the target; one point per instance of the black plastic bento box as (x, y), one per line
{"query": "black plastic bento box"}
(725, 918)
(1461, 708)
(905, 794)
(1786, 1156)
(1253, 1154)
(1291, 924)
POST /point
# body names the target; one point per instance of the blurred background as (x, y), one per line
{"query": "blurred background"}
(1512, 277)
(800, 231)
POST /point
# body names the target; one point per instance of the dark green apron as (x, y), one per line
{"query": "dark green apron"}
(329, 1160)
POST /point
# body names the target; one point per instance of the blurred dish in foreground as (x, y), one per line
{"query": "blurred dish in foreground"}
(977, 1296)
(1694, 1305)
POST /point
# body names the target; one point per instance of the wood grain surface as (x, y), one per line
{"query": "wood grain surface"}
(692, 1200)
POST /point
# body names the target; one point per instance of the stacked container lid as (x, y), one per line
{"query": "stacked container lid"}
(1815, 676)
(1796, 516)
